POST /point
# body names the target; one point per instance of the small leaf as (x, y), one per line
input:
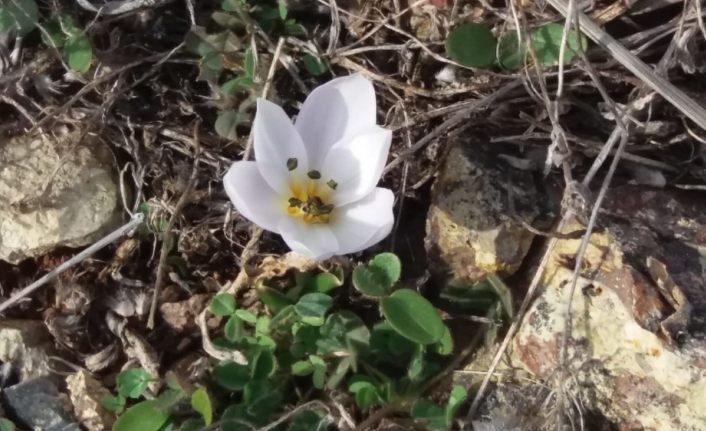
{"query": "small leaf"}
(192, 424)
(503, 293)
(54, 37)
(6, 425)
(233, 329)
(510, 55)
(231, 375)
(282, 9)
(249, 64)
(366, 392)
(445, 346)
(223, 304)
(143, 416)
(78, 53)
(370, 281)
(471, 45)
(201, 403)
(226, 20)
(263, 365)
(133, 382)
(413, 317)
(114, 403)
(19, 15)
(389, 264)
(456, 398)
(246, 316)
(416, 365)
(309, 420)
(273, 299)
(314, 65)
(302, 368)
(169, 398)
(546, 41)
(262, 326)
(323, 283)
(235, 85)
(227, 123)
(433, 415)
(312, 308)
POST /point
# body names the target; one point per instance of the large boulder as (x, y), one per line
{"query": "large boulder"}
(472, 230)
(26, 345)
(54, 192)
(637, 347)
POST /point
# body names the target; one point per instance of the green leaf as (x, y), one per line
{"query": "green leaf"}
(231, 375)
(18, 15)
(201, 403)
(302, 368)
(293, 28)
(433, 415)
(263, 365)
(198, 41)
(305, 341)
(366, 392)
(282, 9)
(143, 416)
(232, 5)
(54, 37)
(249, 64)
(246, 316)
(233, 329)
(227, 20)
(273, 299)
(416, 365)
(133, 382)
(223, 304)
(344, 365)
(262, 326)
(456, 398)
(192, 424)
(510, 55)
(235, 85)
(169, 398)
(309, 420)
(78, 53)
(314, 65)
(503, 292)
(114, 403)
(379, 276)
(6, 425)
(344, 331)
(413, 317)
(471, 45)
(546, 41)
(262, 399)
(312, 308)
(445, 346)
(322, 283)
(282, 321)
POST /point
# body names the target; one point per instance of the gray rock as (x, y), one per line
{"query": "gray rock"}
(39, 406)
(79, 206)
(25, 344)
(471, 230)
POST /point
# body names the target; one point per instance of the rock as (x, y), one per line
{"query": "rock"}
(637, 343)
(81, 203)
(181, 315)
(86, 394)
(38, 405)
(471, 232)
(24, 344)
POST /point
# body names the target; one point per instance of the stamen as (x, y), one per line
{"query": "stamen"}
(332, 184)
(292, 163)
(314, 175)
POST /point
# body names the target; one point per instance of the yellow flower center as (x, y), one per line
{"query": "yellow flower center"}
(310, 201)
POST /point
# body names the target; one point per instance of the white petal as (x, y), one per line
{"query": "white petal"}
(335, 111)
(315, 241)
(364, 223)
(253, 197)
(276, 141)
(356, 165)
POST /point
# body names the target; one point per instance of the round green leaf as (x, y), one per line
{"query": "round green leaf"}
(413, 317)
(223, 304)
(201, 403)
(78, 53)
(264, 364)
(246, 316)
(370, 281)
(314, 65)
(19, 15)
(546, 41)
(232, 376)
(471, 45)
(144, 416)
(389, 264)
(227, 123)
(133, 382)
(6, 425)
(445, 346)
(312, 308)
(54, 37)
(510, 55)
(302, 368)
(233, 329)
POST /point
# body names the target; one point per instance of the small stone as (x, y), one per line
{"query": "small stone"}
(181, 316)
(80, 204)
(38, 405)
(86, 394)
(24, 344)
(471, 231)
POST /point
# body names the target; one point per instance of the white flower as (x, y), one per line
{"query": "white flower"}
(314, 181)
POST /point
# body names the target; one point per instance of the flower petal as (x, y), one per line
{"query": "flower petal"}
(252, 196)
(275, 142)
(335, 111)
(315, 241)
(356, 165)
(364, 223)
